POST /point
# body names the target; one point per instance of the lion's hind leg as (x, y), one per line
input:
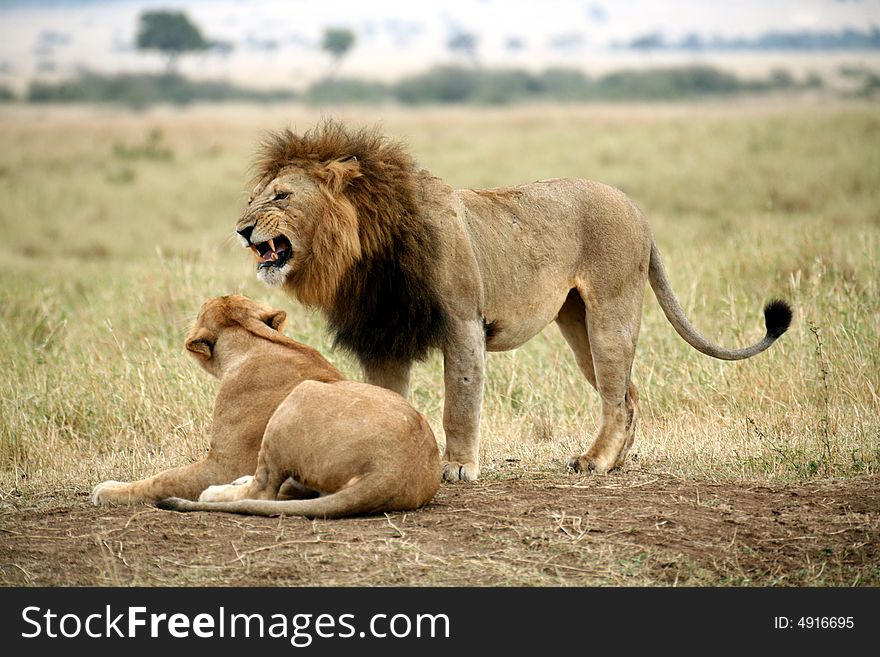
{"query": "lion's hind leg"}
(572, 323)
(611, 329)
(632, 403)
(227, 492)
(290, 489)
(264, 484)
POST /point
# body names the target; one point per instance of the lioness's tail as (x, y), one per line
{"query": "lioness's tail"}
(348, 501)
(777, 317)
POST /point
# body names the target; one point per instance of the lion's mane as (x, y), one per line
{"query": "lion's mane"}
(379, 296)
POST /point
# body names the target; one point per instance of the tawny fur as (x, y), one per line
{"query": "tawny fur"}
(287, 416)
(476, 271)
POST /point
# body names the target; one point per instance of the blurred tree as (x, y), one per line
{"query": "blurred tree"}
(464, 43)
(647, 42)
(337, 41)
(171, 33)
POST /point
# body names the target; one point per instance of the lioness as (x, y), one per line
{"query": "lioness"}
(286, 414)
(401, 263)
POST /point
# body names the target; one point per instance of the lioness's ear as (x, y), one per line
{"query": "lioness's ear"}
(275, 319)
(201, 344)
(339, 173)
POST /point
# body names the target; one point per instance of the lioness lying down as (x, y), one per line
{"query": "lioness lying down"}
(287, 415)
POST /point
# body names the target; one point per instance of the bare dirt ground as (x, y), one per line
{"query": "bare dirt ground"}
(631, 528)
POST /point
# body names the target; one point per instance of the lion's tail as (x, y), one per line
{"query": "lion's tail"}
(777, 317)
(348, 501)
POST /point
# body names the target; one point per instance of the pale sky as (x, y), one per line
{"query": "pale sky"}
(276, 40)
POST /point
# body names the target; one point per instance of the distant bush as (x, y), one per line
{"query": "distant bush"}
(669, 84)
(869, 82)
(453, 84)
(6, 94)
(141, 90)
(813, 81)
(347, 90)
(440, 85)
(444, 84)
(870, 85)
(501, 87)
(566, 84)
(464, 85)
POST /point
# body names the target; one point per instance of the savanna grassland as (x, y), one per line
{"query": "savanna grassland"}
(116, 226)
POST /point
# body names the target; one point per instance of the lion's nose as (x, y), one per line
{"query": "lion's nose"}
(246, 232)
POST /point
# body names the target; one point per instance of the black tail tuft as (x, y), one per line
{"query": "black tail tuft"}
(777, 317)
(168, 504)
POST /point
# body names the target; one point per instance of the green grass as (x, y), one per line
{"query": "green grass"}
(116, 227)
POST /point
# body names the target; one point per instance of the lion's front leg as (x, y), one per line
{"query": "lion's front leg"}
(463, 364)
(390, 375)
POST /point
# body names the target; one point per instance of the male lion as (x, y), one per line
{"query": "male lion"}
(285, 413)
(401, 263)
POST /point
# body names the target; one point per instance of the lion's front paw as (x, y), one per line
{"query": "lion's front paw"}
(110, 492)
(455, 471)
(586, 463)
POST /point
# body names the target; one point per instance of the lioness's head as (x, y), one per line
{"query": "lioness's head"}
(322, 201)
(223, 326)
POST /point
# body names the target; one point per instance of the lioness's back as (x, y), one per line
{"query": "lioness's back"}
(379, 426)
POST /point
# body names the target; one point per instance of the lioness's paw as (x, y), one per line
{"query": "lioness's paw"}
(109, 492)
(586, 463)
(455, 471)
(221, 493)
(225, 492)
(215, 493)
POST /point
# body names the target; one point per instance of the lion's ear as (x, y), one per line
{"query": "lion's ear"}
(275, 319)
(201, 344)
(339, 173)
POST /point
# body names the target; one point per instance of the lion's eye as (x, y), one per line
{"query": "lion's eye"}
(280, 196)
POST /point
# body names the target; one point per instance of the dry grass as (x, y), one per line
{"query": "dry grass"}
(112, 240)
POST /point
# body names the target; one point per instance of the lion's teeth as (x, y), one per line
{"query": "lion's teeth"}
(272, 244)
(255, 250)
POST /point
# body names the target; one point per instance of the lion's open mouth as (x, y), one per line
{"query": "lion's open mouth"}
(274, 252)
